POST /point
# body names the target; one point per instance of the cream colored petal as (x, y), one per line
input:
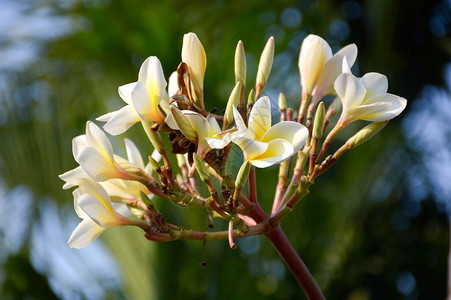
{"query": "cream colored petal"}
(89, 186)
(396, 106)
(133, 154)
(219, 143)
(71, 177)
(106, 117)
(97, 211)
(350, 90)
(332, 69)
(182, 123)
(84, 234)
(122, 120)
(293, 132)
(251, 148)
(125, 92)
(173, 85)
(96, 165)
(121, 209)
(193, 54)
(260, 117)
(242, 129)
(368, 111)
(98, 139)
(315, 52)
(78, 143)
(278, 150)
(375, 84)
(214, 126)
(145, 104)
(77, 193)
(199, 123)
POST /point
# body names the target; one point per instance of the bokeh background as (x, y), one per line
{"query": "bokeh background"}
(375, 226)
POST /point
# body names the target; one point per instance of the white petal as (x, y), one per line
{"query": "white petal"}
(375, 84)
(250, 147)
(91, 187)
(397, 105)
(193, 54)
(293, 132)
(77, 193)
(83, 235)
(173, 85)
(199, 123)
(146, 103)
(133, 154)
(98, 139)
(367, 111)
(106, 117)
(97, 165)
(122, 120)
(103, 215)
(219, 143)
(214, 126)
(350, 90)
(122, 209)
(125, 91)
(260, 117)
(169, 120)
(332, 69)
(71, 177)
(315, 52)
(278, 150)
(78, 143)
(242, 129)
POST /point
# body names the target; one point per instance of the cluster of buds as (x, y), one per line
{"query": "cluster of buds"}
(112, 188)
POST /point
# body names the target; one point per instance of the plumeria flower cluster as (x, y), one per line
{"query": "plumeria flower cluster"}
(115, 191)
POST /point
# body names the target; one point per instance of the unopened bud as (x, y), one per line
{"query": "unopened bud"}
(282, 102)
(264, 66)
(319, 121)
(251, 98)
(365, 134)
(201, 168)
(233, 101)
(243, 174)
(240, 63)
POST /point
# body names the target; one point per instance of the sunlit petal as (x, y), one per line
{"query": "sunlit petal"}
(125, 92)
(374, 83)
(98, 139)
(100, 213)
(84, 234)
(133, 154)
(293, 132)
(121, 120)
(241, 126)
(71, 177)
(396, 106)
(260, 117)
(278, 150)
(350, 90)
(97, 165)
(251, 148)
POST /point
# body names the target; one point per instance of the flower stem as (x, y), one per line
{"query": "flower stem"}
(297, 267)
(252, 186)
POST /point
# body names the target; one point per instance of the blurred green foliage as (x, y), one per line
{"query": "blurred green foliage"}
(342, 229)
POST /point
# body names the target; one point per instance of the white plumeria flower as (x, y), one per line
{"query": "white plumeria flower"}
(173, 85)
(134, 159)
(262, 144)
(318, 68)
(366, 98)
(193, 54)
(92, 204)
(142, 97)
(204, 132)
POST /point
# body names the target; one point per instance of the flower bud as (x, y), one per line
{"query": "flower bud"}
(234, 99)
(201, 168)
(243, 174)
(314, 53)
(251, 98)
(193, 54)
(319, 121)
(240, 63)
(264, 66)
(365, 134)
(282, 102)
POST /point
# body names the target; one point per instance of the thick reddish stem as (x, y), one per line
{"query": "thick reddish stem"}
(295, 263)
(252, 186)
